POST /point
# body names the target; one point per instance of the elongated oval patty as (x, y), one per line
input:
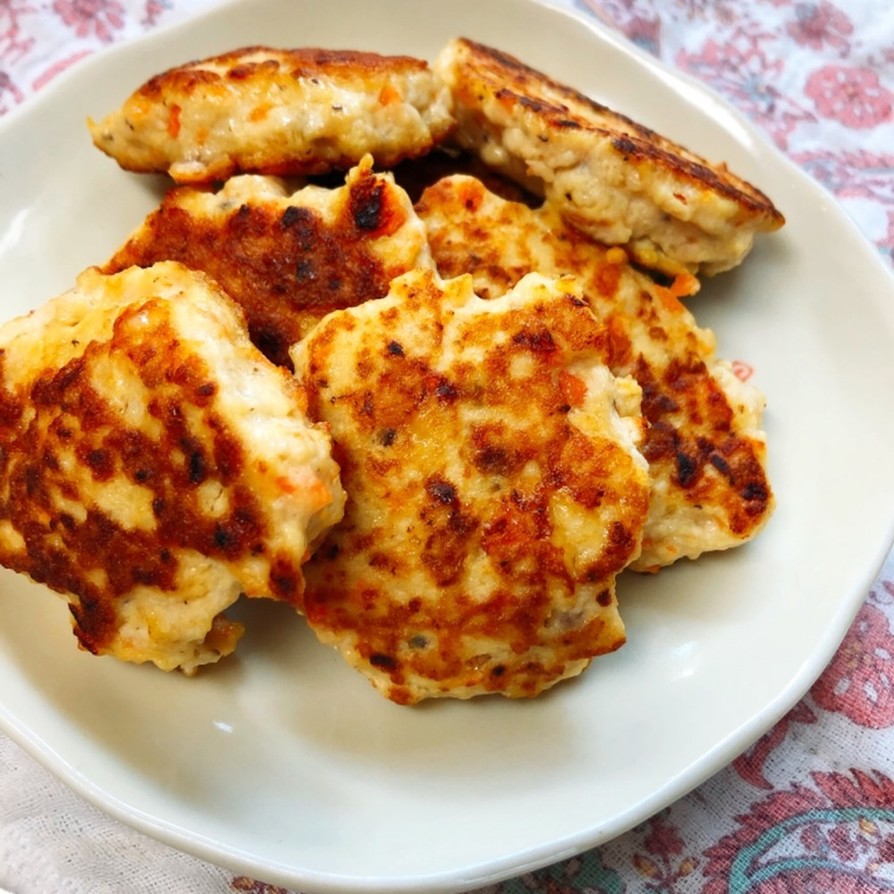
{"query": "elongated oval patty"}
(277, 111)
(494, 487)
(608, 175)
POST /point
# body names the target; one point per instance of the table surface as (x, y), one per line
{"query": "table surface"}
(811, 804)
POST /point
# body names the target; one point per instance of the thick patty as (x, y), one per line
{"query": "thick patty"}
(277, 111)
(494, 487)
(154, 465)
(613, 178)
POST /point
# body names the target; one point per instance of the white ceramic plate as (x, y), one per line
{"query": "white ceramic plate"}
(283, 763)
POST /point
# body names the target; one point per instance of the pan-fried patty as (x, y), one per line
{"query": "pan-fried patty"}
(611, 177)
(286, 258)
(494, 487)
(277, 111)
(154, 465)
(704, 443)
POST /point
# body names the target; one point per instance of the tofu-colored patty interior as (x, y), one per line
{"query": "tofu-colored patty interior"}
(271, 111)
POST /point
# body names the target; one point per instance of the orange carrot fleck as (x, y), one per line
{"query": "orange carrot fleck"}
(174, 122)
(573, 389)
(259, 112)
(388, 95)
(683, 284)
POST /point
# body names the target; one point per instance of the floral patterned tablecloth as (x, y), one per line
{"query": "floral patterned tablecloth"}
(810, 806)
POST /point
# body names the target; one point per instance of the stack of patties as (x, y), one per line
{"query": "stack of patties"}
(703, 440)
(155, 463)
(439, 432)
(450, 521)
(607, 181)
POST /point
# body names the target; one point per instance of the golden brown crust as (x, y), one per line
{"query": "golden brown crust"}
(491, 502)
(306, 62)
(286, 260)
(706, 456)
(563, 108)
(126, 475)
(68, 415)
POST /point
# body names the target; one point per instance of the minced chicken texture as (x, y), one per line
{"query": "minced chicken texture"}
(263, 110)
(154, 465)
(608, 175)
(703, 438)
(495, 488)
